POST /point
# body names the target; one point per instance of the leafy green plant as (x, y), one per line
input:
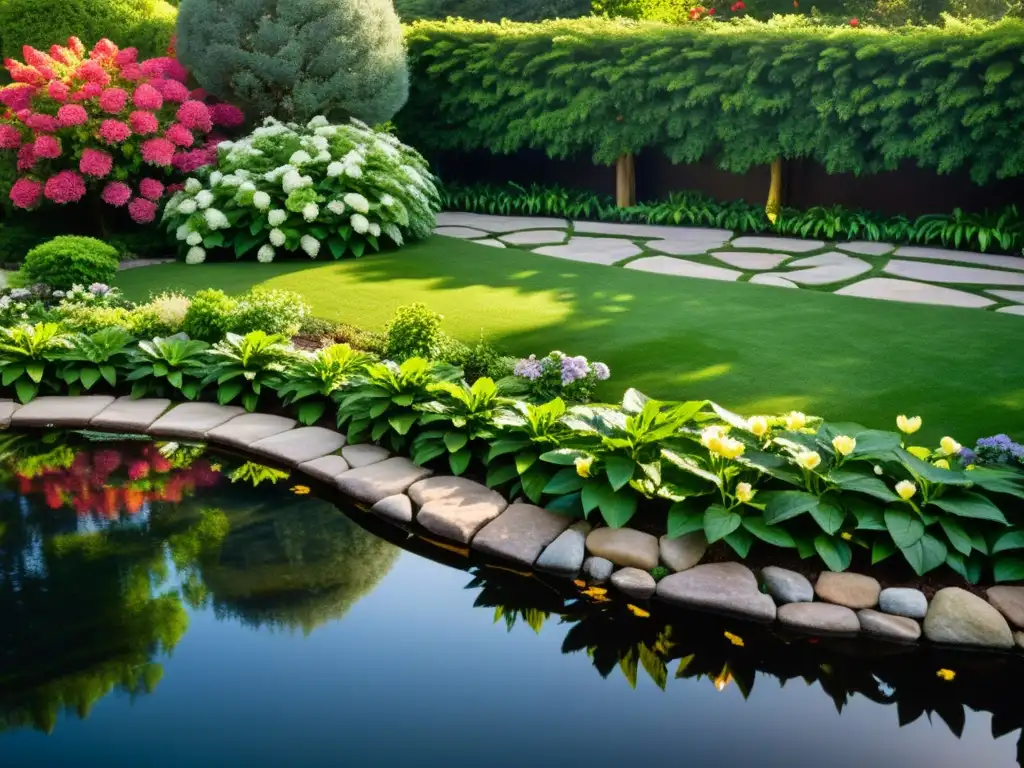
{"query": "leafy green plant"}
(163, 315)
(67, 260)
(91, 357)
(271, 310)
(526, 431)
(161, 367)
(209, 315)
(415, 331)
(1003, 228)
(241, 366)
(26, 357)
(314, 381)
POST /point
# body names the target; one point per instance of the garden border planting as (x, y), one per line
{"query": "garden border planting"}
(468, 513)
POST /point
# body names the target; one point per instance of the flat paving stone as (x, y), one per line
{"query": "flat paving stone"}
(136, 263)
(819, 617)
(564, 556)
(961, 257)
(634, 583)
(944, 273)
(865, 247)
(825, 268)
(776, 280)
(193, 420)
(75, 411)
(455, 507)
(650, 231)
(490, 242)
(244, 430)
(397, 508)
(889, 626)
(1014, 310)
(750, 259)
(724, 587)
(888, 289)
(499, 224)
(297, 446)
(377, 481)
(593, 250)
(666, 265)
(520, 533)
(463, 233)
(534, 237)
(788, 244)
(364, 454)
(829, 259)
(7, 409)
(625, 547)
(1017, 296)
(127, 415)
(326, 468)
(684, 247)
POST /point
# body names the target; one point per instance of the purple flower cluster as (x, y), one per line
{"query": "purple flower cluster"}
(99, 289)
(574, 369)
(998, 449)
(601, 371)
(529, 368)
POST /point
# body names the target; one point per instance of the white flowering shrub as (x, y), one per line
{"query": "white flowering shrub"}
(313, 189)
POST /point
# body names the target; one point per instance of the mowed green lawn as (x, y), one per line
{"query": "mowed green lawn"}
(751, 348)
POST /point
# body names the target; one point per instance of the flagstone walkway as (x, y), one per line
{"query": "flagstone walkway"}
(864, 269)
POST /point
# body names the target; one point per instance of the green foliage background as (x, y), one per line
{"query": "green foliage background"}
(744, 92)
(492, 10)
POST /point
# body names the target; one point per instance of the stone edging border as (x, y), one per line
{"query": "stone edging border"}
(472, 516)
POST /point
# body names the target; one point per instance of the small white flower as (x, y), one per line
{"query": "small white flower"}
(277, 237)
(336, 207)
(277, 217)
(387, 200)
(319, 142)
(226, 145)
(187, 206)
(353, 171)
(299, 157)
(247, 186)
(291, 181)
(182, 232)
(193, 185)
(335, 169)
(310, 211)
(323, 156)
(360, 223)
(317, 122)
(261, 200)
(265, 254)
(195, 255)
(375, 229)
(215, 219)
(204, 199)
(194, 238)
(878, 470)
(357, 202)
(231, 180)
(215, 178)
(310, 245)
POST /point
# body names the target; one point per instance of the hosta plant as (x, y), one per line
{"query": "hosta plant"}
(27, 353)
(162, 367)
(315, 380)
(315, 189)
(241, 366)
(91, 357)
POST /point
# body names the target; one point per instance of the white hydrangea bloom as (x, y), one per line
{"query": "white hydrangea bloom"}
(323, 156)
(310, 245)
(216, 219)
(193, 185)
(215, 178)
(243, 174)
(265, 254)
(247, 186)
(317, 122)
(230, 180)
(277, 217)
(310, 211)
(353, 171)
(226, 145)
(335, 169)
(359, 124)
(194, 238)
(299, 157)
(195, 255)
(182, 232)
(327, 130)
(375, 229)
(358, 202)
(187, 206)
(360, 223)
(277, 237)
(291, 181)
(387, 200)
(261, 200)
(336, 207)
(320, 142)
(204, 199)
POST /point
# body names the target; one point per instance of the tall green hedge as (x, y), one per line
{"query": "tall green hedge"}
(854, 99)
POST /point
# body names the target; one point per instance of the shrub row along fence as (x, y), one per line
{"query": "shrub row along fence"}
(744, 94)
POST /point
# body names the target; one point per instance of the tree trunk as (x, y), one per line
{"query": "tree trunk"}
(625, 181)
(774, 203)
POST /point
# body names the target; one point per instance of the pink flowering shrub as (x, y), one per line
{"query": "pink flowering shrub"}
(103, 122)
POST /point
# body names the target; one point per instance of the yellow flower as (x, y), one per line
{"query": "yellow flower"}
(640, 613)
(723, 679)
(744, 492)
(300, 490)
(908, 425)
(734, 639)
(215, 467)
(595, 592)
(795, 420)
(846, 536)
(711, 437)
(969, 467)
(946, 674)
(730, 448)
(758, 426)
(580, 583)
(906, 489)
(942, 464)
(583, 465)
(808, 459)
(950, 447)
(920, 452)
(844, 445)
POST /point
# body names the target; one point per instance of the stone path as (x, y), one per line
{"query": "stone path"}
(862, 269)
(477, 518)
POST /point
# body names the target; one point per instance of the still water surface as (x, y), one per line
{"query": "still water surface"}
(185, 619)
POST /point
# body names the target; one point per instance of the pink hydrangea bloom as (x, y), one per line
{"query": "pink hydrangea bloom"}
(47, 147)
(141, 210)
(59, 54)
(171, 90)
(132, 72)
(114, 131)
(22, 74)
(93, 72)
(176, 71)
(10, 137)
(42, 123)
(96, 163)
(25, 193)
(155, 67)
(180, 135)
(126, 56)
(87, 91)
(17, 98)
(104, 49)
(116, 193)
(227, 115)
(71, 115)
(157, 151)
(143, 123)
(199, 94)
(172, 188)
(147, 97)
(65, 187)
(195, 115)
(151, 189)
(26, 157)
(112, 100)
(58, 91)
(35, 58)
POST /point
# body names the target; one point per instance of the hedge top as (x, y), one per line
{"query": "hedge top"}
(854, 99)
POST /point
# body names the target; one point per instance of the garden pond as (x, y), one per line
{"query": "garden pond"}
(162, 604)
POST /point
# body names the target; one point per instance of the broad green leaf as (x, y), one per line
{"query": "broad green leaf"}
(1009, 540)
(862, 482)
(34, 371)
(403, 422)
(784, 505)
(109, 373)
(89, 377)
(176, 379)
(829, 515)
(804, 546)
(969, 504)
(683, 518)
(534, 480)
(957, 535)
(1008, 568)
(741, 541)
(875, 444)
(459, 460)
(772, 465)
(720, 522)
(403, 400)
(930, 472)
(926, 554)
(616, 507)
(999, 480)
(881, 550)
(26, 389)
(619, 469)
(501, 447)
(868, 514)
(563, 456)
(455, 441)
(500, 473)
(10, 374)
(835, 553)
(904, 525)
(771, 534)
(424, 452)
(565, 480)
(525, 460)
(569, 505)
(311, 412)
